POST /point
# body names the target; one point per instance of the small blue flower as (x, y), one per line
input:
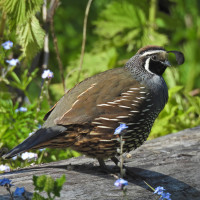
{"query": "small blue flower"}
(21, 109)
(5, 181)
(19, 191)
(120, 128)
(12, 62)
(159, 190)
(14, 158)
(120, 183)
(47, 74)
(165, 196)
(42, 149)
(7, 45)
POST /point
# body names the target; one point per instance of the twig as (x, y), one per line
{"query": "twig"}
(46, 38)
(3, 21)
(152, 15)
(60, 65)
(84, 38)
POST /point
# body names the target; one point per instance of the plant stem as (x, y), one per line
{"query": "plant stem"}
(2, 26)
(84, 38)
(46, 38)
(121, 156)
(8, 188)
(152, 15)
(53, 5)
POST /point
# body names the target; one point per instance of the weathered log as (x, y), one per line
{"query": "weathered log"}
(171, 161)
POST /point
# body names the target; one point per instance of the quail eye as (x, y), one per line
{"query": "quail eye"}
(154, 57)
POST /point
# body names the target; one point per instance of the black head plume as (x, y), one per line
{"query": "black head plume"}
(179, 56)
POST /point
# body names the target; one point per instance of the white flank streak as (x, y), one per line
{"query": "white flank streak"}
(143, 92)
(146, 66)
(135, 101)
(121, 117)
(103, 104)
(117, 101)
(130, 91)
(142, 87)
(148, 99)
(129, 131)
(133, 104)
(150, 105)
(124, 106)
(96, 123)
(111, 103)
(125, 100)
(104, 127)
(135, 111)
(104, 118)
(126, 93)
(114, 120)
(134, 88)
(152, 52)
(105, 140)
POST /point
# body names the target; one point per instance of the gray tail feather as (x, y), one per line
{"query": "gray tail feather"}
(40, 136)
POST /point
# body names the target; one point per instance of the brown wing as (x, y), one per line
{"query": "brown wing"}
(90, 99)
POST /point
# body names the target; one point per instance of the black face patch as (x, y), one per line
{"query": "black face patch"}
(156, 67)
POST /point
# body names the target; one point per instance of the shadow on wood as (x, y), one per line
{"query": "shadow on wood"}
(172, 161)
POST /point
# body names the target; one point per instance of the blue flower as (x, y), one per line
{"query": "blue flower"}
(120, 183)
(165, 196)
(159, 190)
(21, 109)
(19, 191)
(47, 74)
(120, 128)
(12, 62)
(5, 181)
(7, 45)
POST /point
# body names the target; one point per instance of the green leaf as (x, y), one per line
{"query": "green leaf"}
(15, 77)
(37, 196)
(31, 37)
(39, 182)
(19, 11)
(49, 185)
(118, 17)
(58, 185)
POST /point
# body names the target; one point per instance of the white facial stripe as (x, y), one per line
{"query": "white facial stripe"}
(146, 66)
(152, 52)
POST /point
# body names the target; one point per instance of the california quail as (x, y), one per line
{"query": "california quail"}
(86, 117)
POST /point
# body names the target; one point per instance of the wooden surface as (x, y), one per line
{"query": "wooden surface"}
(172, 161)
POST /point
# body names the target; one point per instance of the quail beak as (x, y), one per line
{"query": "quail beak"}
(166, 63)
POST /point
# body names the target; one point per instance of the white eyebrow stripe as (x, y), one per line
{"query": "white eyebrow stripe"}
(146, 66)
(151, 52)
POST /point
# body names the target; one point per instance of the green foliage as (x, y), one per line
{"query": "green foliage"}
(49, 185)
(116, 30)
(31, 37)
(21, 17)
(181, 112)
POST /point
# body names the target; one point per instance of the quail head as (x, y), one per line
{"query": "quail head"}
(86, 117)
